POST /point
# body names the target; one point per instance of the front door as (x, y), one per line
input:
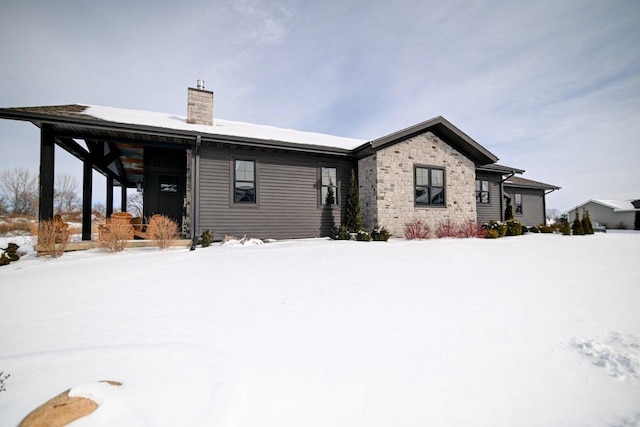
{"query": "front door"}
(164, 183)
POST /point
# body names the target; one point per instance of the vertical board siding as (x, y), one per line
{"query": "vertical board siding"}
(491, 211)
(288, 204)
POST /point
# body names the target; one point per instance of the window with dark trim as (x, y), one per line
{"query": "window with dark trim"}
(244, 181)
(429, 186)
(518, 203)
(482, 192)
(328, 186)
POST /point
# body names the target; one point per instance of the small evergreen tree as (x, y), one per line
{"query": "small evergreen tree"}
(565, 228)
(331, 198)
(577, 225)
(587, 226)
(508, 212)
(352, 216)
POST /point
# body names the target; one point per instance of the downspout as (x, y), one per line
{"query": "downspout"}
(195, 185)
(502, 195)
(544, 205)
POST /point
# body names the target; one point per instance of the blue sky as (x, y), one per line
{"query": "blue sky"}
(550, 87)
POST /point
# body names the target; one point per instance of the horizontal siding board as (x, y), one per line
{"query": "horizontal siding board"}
(491, 211)
(532, 205)
(288, 194)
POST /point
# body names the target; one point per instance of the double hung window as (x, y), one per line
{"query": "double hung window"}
(244, 181)
(328, 186)
(482, 192)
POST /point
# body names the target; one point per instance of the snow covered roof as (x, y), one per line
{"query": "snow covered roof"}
(220, 127)
(616, 205)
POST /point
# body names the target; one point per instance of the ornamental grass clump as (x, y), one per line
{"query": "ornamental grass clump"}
(163, 231)
(115, 235)
(52, 237)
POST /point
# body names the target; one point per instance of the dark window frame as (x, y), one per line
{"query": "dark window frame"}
(429, 187)
(235, 180)
(480, 192)
(322, 186)
(517, 207)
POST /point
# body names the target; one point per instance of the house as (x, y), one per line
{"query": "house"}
(240, 178)
(622, 214)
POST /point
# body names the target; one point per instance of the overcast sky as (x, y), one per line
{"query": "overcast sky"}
(552, 87)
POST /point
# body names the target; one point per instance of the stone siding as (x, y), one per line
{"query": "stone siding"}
(199, 107)
(393, 191)
(367, 180)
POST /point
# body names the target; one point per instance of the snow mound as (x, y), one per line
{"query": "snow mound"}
(619, 356)
(245, 241)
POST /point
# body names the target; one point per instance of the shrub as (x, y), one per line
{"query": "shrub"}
(446, 229)
(499, 226)
(621, 226)
(470, 229)
(417, 230)
(51, 237)
(380, 234)
(114, 236)
(491, 233)
(546, 229)
(577, 225)
(352, 216)
(206, 238)
(341, 233)
(533, 229)
(363, 236)
(508, 212)
(565, 229)
(514, 228)
(587, 226)
(163, 231)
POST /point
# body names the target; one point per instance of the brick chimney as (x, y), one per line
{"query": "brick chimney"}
(199, 105)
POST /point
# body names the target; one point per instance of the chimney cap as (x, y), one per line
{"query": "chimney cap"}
(200, 84)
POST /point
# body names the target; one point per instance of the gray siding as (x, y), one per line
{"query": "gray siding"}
(532, 205)
(288, 195)
(493, 210)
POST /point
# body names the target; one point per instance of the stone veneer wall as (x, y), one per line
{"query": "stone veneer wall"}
(368, 182)
(389, 187)
(199, 106)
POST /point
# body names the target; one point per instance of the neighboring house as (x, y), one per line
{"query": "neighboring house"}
(239, 178)
(610, 213)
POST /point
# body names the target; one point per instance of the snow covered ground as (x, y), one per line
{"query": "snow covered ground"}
(537, 330)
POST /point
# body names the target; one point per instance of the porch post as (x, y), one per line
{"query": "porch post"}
(47, 157)
(109, 201)
(87, 190)
(123, 198)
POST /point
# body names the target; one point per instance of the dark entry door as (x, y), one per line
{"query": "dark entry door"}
(164, 183)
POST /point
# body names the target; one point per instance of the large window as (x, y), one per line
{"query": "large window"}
(245, 181)
(518, 203)
(429, 189)
(482, 191)
(329, 186)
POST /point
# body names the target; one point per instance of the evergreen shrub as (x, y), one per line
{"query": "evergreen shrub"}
(206, 238)
(341, 233)
(380, 234)
(576, 228)
(363, 236)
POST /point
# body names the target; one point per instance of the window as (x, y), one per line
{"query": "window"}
(518, 203)
(245, 181)
(429, 186)
(482, 191)
(328, 186)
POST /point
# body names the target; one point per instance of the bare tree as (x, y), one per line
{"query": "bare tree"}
(18, 185)
(65, 194)
(134, 203)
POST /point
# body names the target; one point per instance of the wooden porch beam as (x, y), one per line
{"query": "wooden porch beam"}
(87, 190)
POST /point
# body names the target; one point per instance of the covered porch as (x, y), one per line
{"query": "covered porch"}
(152, 160)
